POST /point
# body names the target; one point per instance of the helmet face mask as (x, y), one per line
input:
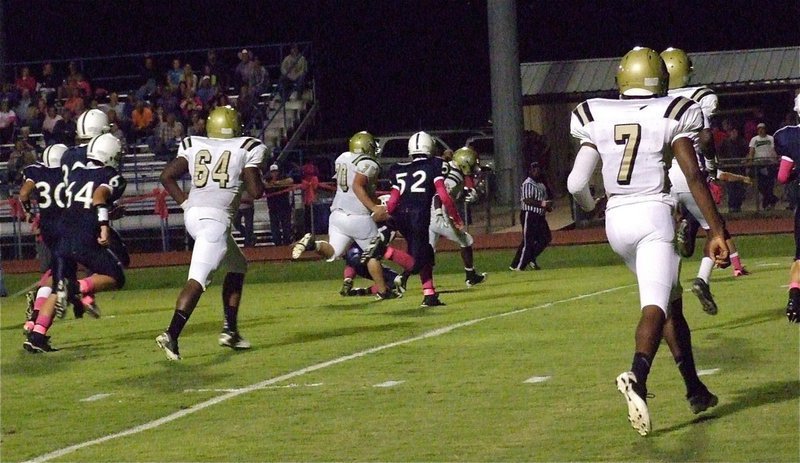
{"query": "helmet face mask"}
(466, 159)
(104, 149)
(51, 157)
(364, 143)
(91, 123)
(223, 122)
(679, 67)
(420, 144)
(642, 72)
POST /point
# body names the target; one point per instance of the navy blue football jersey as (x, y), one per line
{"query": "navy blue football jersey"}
(74, 155)
(787, 143)
(415, 181)
(50, 197)
(82, 181)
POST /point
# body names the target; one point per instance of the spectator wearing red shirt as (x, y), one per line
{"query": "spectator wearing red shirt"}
(26, 81)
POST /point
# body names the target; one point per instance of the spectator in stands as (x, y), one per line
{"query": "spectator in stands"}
(198, 127)
(734, 149)
(169, 134)
(245, 214)
(8, 122)
(205, 91)
(280, 207)
(75, 101)
(764, 159)
(23, 104)
(241, 74)
(64, 91)
(245, 103)
(175, 74)
(114, 105)
(48, 125)
(751, 123)
(142, 121)
(48, 84)
(213, 78)
(26, 81)
(36, 115)
(189, 77)
(293, 73)
(259, 77)
(149, 77)
(222, 100)
(190, 103)
(66, 129)
(216, 69)
(83, 85)
(116, 127)
(23, 155)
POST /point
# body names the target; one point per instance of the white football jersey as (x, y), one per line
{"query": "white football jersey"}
(708, 104)
(347, 165)
(634, 139)
(216, 167)
(454, 181)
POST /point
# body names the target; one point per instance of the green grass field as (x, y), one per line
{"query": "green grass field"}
(349, 379)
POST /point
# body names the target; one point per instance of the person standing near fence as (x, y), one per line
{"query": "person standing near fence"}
(787, 144)
(535, 230)
(763, 158)
(280, 206)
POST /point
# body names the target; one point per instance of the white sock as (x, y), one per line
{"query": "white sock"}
(706, 265)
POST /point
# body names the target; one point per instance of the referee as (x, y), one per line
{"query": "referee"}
(535, 231)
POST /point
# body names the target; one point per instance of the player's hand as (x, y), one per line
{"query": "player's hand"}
(548, 205)
(104, 234)
(718, 251)
(379, 214)
(29, 217)
(471, 196)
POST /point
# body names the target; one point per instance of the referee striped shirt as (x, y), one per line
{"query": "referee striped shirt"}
(532, 189)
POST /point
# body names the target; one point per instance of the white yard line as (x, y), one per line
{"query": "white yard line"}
(537, 379)
(319, 366)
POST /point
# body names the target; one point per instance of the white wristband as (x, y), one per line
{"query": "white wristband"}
(183, 204)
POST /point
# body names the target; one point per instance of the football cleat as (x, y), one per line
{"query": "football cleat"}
(169, 345)
(38, 344)
(375, 250)
(359, 292)
(400, 284)
(535, 265)
(703, 292)
(685, 238)
(234, 340)
(702, 400)
(347, 285)
(431, 300)
(741, 272)
(636, 398)
(306, 243)
(388, 294)
(30, 298)
(793, 311)
(475, 279)
(91, 308)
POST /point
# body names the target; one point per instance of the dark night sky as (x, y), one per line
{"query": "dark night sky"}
(388, 65)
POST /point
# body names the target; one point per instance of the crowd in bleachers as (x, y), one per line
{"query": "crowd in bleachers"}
(169, 101)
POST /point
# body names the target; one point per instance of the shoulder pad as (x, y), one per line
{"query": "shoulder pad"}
(678, 107)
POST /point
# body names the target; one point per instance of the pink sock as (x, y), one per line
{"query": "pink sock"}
(88, 299)
(737, 263)
(43, 322)
(29, 325)
(45, 276)
(399, 257)
(426, 276)
(349, 272)
(374, 289)
(794, 284)
(86, 285)
(39, 302)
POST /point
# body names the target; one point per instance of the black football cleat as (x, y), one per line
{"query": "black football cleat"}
(431, 300)
(702, 400)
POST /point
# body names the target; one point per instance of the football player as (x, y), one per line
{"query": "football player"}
(680, 68)
(219, 165)
(353, 259)
(414, 184)
(354, 211)
(633, 137)
(84, 230)
(787, 145)
(462, 166)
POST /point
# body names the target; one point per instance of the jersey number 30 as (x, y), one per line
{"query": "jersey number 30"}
(219, 174)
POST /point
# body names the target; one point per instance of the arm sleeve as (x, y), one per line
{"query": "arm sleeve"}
(447, 201)
(255, 157)
(578, 180)
(394, 197)
(690, 125)
(785, 169)
(368, 167)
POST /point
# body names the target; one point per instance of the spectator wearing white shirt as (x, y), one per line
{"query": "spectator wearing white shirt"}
(764, 159)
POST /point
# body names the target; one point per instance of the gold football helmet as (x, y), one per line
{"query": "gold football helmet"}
(466, 159)
(679, 67)
(642, 72)
(364, 143)
(223, 122)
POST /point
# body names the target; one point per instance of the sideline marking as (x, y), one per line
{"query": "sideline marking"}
(95, 397)
(537, 379)
(390, 383)
(319, 366)
(710, 371)
(286, 386)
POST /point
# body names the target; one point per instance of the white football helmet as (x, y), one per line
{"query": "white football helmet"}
(105, 149)
(51, 157)
(92, 123)
(420, 144)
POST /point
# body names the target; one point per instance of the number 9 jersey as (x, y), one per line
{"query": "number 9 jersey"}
(216, 167)
(634, 139)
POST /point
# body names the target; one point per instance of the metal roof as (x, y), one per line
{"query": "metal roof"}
(766, 66)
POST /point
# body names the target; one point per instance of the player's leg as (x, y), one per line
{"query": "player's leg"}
(232, 288)
(337, 224)
(64, 270)
(736, 260)
(793, 306)
(701, 286)
(543, 238)
(519, 263)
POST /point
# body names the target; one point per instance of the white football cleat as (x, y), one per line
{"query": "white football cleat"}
(306, 243)
(638, 414)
